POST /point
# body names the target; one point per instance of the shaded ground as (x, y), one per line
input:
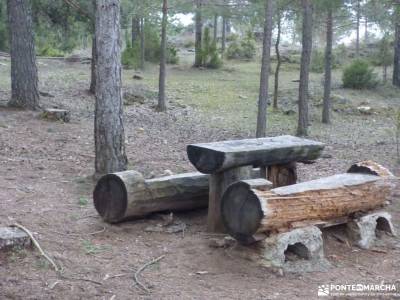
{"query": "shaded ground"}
(45, 185)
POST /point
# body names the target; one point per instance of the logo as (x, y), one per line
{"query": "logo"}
(323, 290)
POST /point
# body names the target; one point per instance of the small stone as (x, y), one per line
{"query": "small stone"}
(366, 110)
(54, 114)
(12, 237)
(137, 77)
(221, 243)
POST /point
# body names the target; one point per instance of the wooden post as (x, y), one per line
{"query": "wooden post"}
(282, 175)
(219, 182)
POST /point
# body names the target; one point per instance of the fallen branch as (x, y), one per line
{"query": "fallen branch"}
(142, 268)
(37, 245)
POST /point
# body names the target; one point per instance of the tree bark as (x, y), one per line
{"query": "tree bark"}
(302, 129)
(396, 62)
(247, 211)
(278, 60)
(109, 128)
(162, 106)
(215, 28)
(142, 44)
(92, 88)
(223, 38)
(198, 61)
(358, 28)
(326, 110)
(124, 195)
(24, 73)
(264, 76)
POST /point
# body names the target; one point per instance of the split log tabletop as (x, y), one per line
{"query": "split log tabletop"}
(230, 161)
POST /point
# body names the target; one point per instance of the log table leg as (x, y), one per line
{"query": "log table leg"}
(282, 175)
(219, 182)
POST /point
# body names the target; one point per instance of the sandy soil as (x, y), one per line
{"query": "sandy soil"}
(45, 184)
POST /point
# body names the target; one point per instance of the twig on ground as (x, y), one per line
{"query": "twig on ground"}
(97, 232)
(37, 245)
(142, 268)
(80, 279)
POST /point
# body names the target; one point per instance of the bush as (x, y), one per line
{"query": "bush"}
(49, 51)
(131, 57)
(172, 55)
(359, 75)
(210, 56)
(317, 62)
(245, 49)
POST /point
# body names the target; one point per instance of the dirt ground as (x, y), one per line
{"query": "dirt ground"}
(45, 184)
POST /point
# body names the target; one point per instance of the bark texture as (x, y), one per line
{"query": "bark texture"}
(215, 29)
(278, 59)
(358, 17)
(396, 62)
(223, 38)
(142, 44)
(247, 211)
(24, 73)
(198, 60)
(124, 195)
(92, 88)
(109, 128)
(302, 128)
(162, 105)
(326, 109)
(264, 75)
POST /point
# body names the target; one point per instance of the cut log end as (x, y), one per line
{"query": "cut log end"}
(110, 198)
(241, 212)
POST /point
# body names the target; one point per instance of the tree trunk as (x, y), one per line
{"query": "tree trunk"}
(278, 60)
(24, 73)
(385, 73)
(135, 30)
(247, 211)
(223, 38)
(358, 28)
(109, 128)
(198, 61)
(264, 76)
(142, 44)
(215, 29)
(396, 62)
(162, 106)
(326, 110)
(302, 128)
(92, 88)
(366, 31)
(124, 195)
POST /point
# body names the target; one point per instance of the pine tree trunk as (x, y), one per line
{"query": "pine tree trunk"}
(142, 44)
(326, 110)
(162, 106)
(198, 61)
(135, 30)
(302, 129)
(396, 62)
(24, 73)
(278, 59)
(265, 65)
(358, 29)
(92, 88)
(223, 39)
(108, 127)
(366, 31)
(215, 28)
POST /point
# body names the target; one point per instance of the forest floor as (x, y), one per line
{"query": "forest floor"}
(46, 185)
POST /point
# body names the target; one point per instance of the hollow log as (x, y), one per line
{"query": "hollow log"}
(246, 211)
(124, 195)
(216, 157)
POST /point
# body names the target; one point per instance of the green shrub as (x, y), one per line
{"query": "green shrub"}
(245, 49)
(49, 51)
(130, 58)
(317, 62)
(210, 56)
(172, 55)
(359, 75)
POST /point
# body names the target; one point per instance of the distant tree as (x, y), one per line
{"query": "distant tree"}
(396, 62)
(92, 87)
(109, 133)
(307, 7)
(265, 66)
(385, 55)
(162, 106)
(278, 57)
(24, 73)
(198, 61)
(358, 18)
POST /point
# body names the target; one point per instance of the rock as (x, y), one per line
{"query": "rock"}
(13, 237)
(366, 110)
(130, 98)
(54, 114)
(289, 112)
(243, 97)
(326, 155)
(337, 99)
(226, 242)
(137, 77)
(167, 173)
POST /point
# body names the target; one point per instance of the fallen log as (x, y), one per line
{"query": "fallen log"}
(246, 211)
(125, 195)
(216, 157)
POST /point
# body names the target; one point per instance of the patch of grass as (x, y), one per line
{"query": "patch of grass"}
(83, 201)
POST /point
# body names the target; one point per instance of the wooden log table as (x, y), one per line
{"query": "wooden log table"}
(231, 161)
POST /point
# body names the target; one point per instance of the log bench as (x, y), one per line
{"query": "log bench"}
(231, 161)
